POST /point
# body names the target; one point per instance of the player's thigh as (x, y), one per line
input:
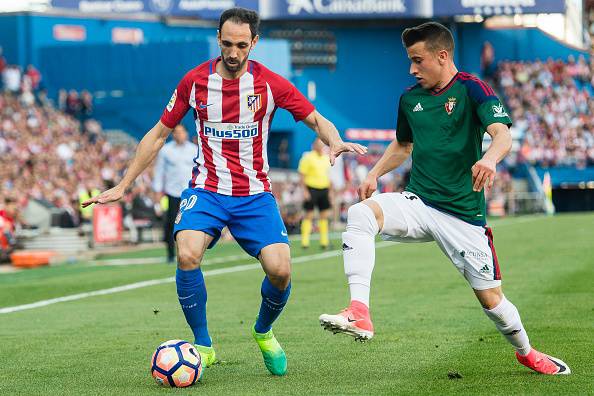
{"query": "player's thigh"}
(200, 210)
(404, 217)
(470, 248)
(191, 246)
(255, 222)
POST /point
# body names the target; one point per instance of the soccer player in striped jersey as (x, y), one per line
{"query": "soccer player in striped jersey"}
(233, 100)
(444, 116)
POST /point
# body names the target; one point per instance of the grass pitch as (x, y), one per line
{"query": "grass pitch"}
(428, 323)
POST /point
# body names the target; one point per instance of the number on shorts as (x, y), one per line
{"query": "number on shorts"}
(186, 204)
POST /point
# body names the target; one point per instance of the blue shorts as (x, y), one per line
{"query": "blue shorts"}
(254, 221)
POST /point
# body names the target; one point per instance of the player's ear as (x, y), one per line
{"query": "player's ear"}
(219, 38)
(255, 40)
(443, 56)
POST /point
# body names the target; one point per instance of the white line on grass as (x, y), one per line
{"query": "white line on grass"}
(162, 260)
(154, 282)
(237, 268)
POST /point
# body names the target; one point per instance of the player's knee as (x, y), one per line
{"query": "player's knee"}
(361, 218)
(188, 258)
(280, 274)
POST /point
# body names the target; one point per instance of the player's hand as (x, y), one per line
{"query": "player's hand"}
(111, 195)
(367, 188)
(345, 147)
(483, 174)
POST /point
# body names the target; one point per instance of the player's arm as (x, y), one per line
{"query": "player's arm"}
(330, 136)
(146, 151)
(483, 171)
(396, 153)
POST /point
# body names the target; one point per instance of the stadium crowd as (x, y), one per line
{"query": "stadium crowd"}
(552, 110)
(56, 156)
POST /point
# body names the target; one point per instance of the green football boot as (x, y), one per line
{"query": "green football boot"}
(273, 354)
(207, 355)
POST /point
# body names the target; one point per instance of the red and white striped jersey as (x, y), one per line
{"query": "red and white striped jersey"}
(233, 120)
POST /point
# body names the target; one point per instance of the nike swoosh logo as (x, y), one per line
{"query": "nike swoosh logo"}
(562, 368)
(283, 233)
(204, 106)
(351, 320)
(185, 298)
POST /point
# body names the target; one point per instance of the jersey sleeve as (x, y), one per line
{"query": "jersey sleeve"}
(288, 97)
(403, 130)
(179, 104)
(487, 105)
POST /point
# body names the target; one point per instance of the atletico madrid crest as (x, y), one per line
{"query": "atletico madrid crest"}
(254, 102)
(449, 105)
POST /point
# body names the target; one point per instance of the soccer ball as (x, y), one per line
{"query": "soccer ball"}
(177, 364)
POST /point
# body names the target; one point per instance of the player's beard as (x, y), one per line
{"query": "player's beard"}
(236, 67)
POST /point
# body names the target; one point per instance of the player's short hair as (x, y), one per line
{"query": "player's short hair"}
(241, 15)
(436, 37)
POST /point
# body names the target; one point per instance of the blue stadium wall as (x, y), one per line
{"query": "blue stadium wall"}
(362, 92)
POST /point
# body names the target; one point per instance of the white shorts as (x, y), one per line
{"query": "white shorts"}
(469, 247)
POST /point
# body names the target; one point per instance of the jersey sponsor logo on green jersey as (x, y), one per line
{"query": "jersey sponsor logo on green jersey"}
(450, 105)
(499, 111)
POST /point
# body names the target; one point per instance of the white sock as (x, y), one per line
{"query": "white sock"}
(358, 245)
(507, 320)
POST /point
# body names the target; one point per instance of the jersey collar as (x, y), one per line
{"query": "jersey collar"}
(437, 92)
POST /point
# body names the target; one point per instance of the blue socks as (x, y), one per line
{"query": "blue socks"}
(191, 292)
(273, 302)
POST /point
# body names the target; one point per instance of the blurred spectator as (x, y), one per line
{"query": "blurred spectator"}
(86, 105)
(8, 217)
(62, 96)
(142, 210)
(73, 104)
(33, 76)
(284, 160)
(488, 66)
(2, 67)
(11, 78)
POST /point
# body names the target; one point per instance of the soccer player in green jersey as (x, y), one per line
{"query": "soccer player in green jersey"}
(444, 116)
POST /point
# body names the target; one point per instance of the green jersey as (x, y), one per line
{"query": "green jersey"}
(447, 128)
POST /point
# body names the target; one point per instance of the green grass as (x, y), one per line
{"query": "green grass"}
(427, 323)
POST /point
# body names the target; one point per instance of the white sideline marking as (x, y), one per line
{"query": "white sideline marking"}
(162, 260)
(237, 268)
(154, 282)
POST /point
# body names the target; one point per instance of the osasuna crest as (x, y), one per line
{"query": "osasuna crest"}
(254, 102)
(449, 105)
